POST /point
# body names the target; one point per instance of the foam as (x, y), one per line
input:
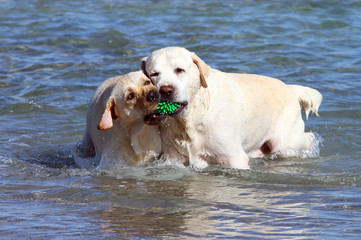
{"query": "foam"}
(312, 152)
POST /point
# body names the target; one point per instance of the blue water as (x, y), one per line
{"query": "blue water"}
(53, 55)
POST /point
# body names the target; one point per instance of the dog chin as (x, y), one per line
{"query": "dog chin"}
(154, 119)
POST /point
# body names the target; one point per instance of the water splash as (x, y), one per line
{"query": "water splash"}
(312, 152)
(82, 161)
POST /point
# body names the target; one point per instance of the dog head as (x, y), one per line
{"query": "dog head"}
(177, 73)
(130, 98)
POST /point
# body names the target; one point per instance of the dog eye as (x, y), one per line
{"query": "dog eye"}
(155, 74)
(130, 96)
(179, 70)
(146, 83)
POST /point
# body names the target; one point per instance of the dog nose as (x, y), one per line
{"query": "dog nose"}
(166, 91)
(152, 96)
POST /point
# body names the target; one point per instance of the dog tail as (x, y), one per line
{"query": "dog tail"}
(310, 99)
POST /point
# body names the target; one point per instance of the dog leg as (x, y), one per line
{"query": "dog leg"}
(240, 161)
(294, 143)
(307, 143)
(195, 159)
(198, 163)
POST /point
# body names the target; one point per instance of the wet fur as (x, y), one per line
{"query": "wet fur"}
(230, 117)
(116, 134)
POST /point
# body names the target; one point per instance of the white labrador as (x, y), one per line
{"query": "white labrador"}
(115, 133)
(225, 118)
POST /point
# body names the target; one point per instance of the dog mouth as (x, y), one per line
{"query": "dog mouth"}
(154, 119)
(165, 108)
(172, 109)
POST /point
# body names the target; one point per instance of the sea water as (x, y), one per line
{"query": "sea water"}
(54, 54)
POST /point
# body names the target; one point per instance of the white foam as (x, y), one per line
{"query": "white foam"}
(312, 152)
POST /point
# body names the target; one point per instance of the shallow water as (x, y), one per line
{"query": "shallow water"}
(53, 55)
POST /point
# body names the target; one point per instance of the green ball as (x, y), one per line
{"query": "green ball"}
(167, 108)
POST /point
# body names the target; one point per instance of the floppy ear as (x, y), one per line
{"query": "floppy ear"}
(142, 67)
(107, 119)
(203, 69)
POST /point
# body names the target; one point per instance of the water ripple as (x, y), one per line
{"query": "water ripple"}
(53, 55)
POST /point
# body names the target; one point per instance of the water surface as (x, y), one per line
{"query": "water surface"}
(53, 55)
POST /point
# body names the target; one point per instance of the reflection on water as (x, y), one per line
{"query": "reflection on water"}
(205, 205)
(176, 202)
(146, 209)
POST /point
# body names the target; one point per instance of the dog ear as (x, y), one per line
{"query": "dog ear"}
(203, 69)
(106, 122)
(142, 67)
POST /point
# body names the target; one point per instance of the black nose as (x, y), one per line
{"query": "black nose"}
(152, 96)
(166, 91)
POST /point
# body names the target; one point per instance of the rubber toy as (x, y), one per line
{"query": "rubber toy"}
(167, 108)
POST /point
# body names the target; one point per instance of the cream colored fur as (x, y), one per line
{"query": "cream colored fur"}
(116, 134)
(230, 117)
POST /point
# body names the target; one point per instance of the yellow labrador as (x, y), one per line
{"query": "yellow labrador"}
(115, 133)
(225, 118)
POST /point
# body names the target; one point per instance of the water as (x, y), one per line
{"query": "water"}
(53, 55)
